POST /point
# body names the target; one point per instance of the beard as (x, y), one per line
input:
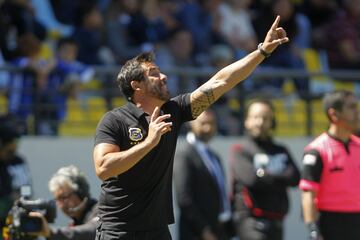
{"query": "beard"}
(159, 91)
(205, 137)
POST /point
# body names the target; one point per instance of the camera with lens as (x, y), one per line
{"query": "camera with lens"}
(19, 225)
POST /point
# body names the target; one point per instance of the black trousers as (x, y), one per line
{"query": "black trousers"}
(251, 228)
(339, 226)
(158, 234)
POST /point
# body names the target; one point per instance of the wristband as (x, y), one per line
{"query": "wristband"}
(313, 231)
(262, 51)
(260, 172)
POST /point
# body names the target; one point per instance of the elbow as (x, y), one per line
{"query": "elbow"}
(101, 170)
(102, 174)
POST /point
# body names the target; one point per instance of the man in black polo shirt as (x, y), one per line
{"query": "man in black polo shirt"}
(263, 171)
(135, 144)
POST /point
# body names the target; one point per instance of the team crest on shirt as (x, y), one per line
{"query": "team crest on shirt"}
(135, 134)
(309, 159)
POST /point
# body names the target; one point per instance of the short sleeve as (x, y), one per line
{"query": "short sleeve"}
(108, 130)
(185, 107)
(312, 169)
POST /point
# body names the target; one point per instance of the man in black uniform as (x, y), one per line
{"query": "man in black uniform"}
(71, 192)
(135, 144)
(262, 172)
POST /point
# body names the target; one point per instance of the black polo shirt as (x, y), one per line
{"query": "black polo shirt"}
(140, 198)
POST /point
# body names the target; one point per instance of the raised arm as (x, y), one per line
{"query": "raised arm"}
(231, 75)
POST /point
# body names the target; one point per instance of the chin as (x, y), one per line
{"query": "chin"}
(165, 97)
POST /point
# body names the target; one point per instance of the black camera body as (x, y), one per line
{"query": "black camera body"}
(20, 225)
(25, 223)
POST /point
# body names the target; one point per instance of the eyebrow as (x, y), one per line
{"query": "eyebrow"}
(154, 69)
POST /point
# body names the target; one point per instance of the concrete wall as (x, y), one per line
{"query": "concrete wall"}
(46, 155)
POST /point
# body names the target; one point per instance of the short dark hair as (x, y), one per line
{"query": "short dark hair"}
(335, 100)
(133, 70)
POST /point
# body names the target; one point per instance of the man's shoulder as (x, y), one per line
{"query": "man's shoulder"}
(186, 149)
(319, 140)
(178, 100)
(116, 113)
(246, 142)
(355, 139)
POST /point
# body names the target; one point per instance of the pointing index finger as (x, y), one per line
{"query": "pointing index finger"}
(155, 114)
(276, 23)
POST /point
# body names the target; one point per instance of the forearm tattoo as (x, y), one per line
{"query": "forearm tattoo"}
(202, 101)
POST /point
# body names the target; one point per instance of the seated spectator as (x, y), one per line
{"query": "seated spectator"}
(28, 88)
(45, 14)
(4, 77)
(8, 35)
(236, 25)
(170, 56)
(343, 42)
(20, 15)
(65, 79)
(88, 36)
(161, 18)
(41, 90)
(320, 13)
(92, 49)
(202, 20)
(291, 55)
(65, 10)
(126, 29)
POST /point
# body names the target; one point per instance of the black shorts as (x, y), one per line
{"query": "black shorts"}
(158, 234)
(339, 226)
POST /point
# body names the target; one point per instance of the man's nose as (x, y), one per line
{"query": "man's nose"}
(163, 76)
(259, 121)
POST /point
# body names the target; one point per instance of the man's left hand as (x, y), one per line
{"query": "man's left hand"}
(274, 37)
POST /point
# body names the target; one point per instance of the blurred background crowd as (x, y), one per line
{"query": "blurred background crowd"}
(59, 59)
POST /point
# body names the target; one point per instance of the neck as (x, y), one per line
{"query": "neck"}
(148, 104)
(77, 215)
(339, 132)
(261, 137)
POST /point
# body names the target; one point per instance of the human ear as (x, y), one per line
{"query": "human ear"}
(333, 115)
(135, 85)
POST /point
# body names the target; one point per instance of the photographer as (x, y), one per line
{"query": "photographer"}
(71, 192)
(14, 171)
